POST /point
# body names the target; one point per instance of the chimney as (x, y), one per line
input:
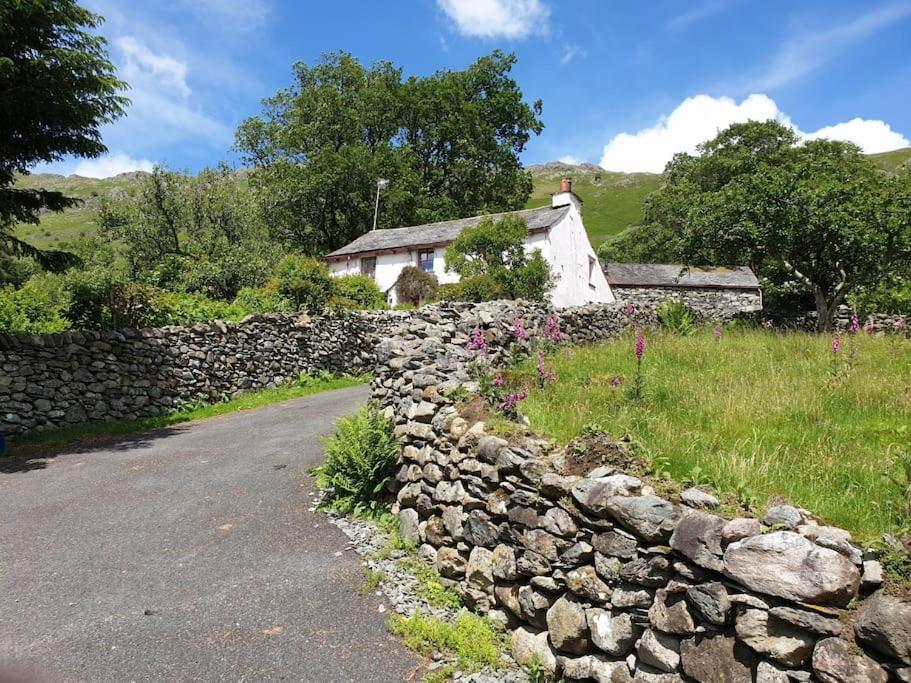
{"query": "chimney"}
(565, 196)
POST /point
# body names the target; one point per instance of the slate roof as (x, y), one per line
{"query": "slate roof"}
(672, 275)
(440, 233)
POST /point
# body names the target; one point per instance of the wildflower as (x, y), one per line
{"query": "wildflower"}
(640, 345)
(868, 326)
(640, 351)
(855, 322)
(544, 375)
(901, 323)
(512, 400)
(518, 329)
(476, 341)
(718, 332)
(629, 309)
(616, 381)
(552, 329)
(499, 381)
(836, 342)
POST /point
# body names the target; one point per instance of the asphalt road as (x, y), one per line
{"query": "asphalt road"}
(189, 554)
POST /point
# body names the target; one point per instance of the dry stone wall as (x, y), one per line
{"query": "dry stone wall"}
(597, 577)
(50, 381)
(707, 303)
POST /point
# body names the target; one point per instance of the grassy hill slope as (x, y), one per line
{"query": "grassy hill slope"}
(56, 229)
(612, 201)
(892, 161)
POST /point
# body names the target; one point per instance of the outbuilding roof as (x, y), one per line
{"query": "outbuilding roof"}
(673, 275)
(396, 239)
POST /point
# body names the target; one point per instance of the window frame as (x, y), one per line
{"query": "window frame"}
(422, 262)
(372, 271)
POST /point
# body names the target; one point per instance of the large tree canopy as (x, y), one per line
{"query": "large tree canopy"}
(57, 87)
(449, 144)
(817, 215)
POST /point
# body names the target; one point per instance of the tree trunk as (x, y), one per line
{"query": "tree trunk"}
(824, 311)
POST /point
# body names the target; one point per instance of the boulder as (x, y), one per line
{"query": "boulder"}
(530, 647)
(507, 596)
(884, 624)
(479, 571)
(615, 544)
(449, 563)
(503, 563)
(568, 626)
(659, 650)
(815, 622)
(696, 498)
(834, 662)
(545, 544)
(585, 583)
(716, 659)
(787, 565)
(786, 516)
(479, 530)
(739, 528)
(408, 525)
(627, 595)
(608, 568)
(559, 522)
(670, 614)
(534, 605)
(615, 634)
(766, 672)
(710, 602)
(452, 520)
(592, 494)
(577, 553)
(653, 572)
(697, 537)
(649, 517)
(595, 668)
(770, 636)
(532, 564)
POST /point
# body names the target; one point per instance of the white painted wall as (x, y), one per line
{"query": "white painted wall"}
(565, 247)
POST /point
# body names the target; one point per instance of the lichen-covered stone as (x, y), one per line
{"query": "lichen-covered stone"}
(530, 647)
(592, 494)
(710, 602)
(834, 662)
(659, 650)
(884, 624)
(773, 637)
(697, 537)
(716, 659)
(616, 634)
(649, 517)
(568, 626)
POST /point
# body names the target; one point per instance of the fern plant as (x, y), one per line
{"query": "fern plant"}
(675, 317)
(360, 460)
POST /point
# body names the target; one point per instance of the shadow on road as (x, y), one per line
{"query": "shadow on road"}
(29, 457)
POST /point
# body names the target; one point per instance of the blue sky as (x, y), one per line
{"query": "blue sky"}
(623, 84)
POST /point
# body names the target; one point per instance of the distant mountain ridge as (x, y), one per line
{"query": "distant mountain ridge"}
(612, 201)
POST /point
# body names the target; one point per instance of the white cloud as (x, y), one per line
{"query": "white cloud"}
(236, 15)
(570, 159)
(696, 14)
(141, 64)
(871, 136)
(700, 118)
(497, 18)
(694, 120)
(111, 165)
(808, 51)
(570, 52)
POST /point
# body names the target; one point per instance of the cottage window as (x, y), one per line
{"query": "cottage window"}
(592, 262)
(425, 260)
(368, 266)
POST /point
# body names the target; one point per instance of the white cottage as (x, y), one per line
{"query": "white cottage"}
(556, 230)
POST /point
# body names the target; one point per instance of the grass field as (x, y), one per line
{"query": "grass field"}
(755, 413)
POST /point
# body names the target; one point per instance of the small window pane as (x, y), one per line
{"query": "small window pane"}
(425, 261)
(368, 266)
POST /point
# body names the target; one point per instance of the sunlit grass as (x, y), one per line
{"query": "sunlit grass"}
(756, 413)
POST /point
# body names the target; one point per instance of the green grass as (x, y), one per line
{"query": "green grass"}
(33, 442)
(892, 161)
(470, 638)
(756, 413)
(612, 201)
(430, 587)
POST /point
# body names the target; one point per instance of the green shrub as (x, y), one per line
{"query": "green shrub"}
(451, 291)
(414, 286)
(470, 638)
(675, 317)
(304, 281)
(265, 299)
(39, 307)
(178, 308)
(360, 460)
(482, 288)
(103, 298)
(360, 290)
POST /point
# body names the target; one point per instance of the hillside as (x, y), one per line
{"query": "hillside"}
(612, 201)
(56, 229)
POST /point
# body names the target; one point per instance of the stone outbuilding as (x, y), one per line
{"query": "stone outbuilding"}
(710, 292)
